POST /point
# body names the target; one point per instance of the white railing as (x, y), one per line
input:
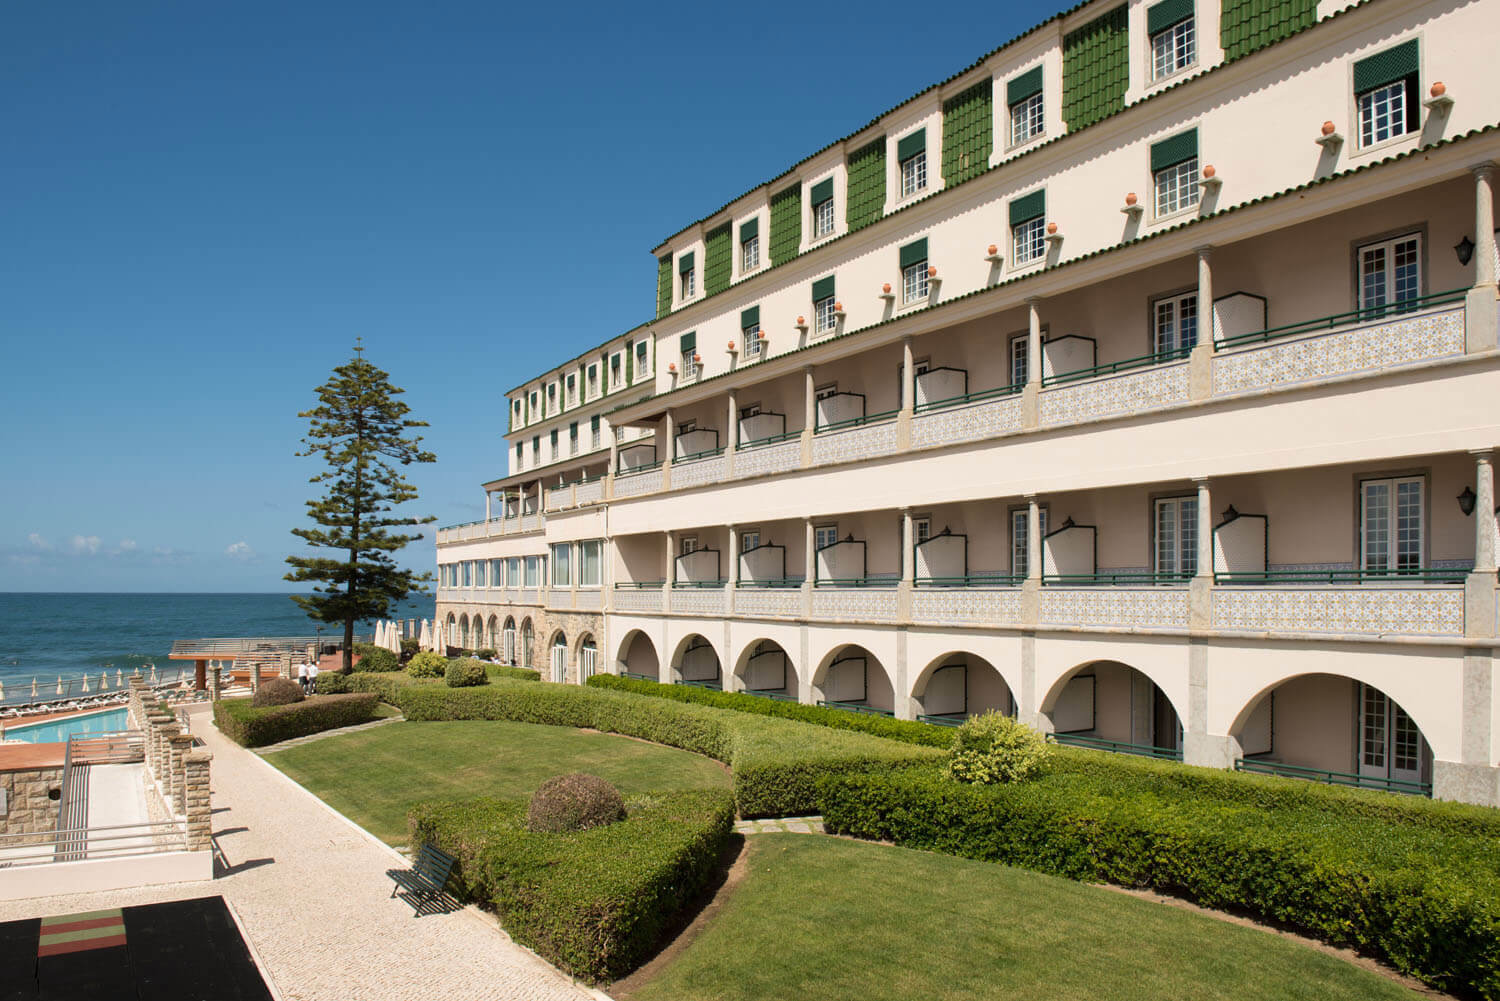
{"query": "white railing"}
(74, 844)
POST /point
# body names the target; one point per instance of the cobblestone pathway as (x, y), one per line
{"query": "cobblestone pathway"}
(781, 825)
(312, 894)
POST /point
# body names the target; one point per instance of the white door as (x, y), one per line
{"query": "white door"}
(559, 663)
(587, 659)
(1390, 745)
(508, 655)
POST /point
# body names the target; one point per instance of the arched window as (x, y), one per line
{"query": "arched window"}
(526, 643)
(560, 658)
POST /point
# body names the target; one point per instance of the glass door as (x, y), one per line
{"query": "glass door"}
(1390, 745)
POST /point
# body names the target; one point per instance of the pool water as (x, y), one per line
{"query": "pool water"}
(57, 731)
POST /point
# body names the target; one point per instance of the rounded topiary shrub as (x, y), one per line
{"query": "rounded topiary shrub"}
(375, 658)
(277, 692)
(466, 674)
(574, 803)
(993, 748)
(427, 664)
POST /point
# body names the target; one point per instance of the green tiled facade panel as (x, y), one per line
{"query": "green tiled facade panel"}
(865, 202)
(968, 133)
(1096, 69)
(1247, 25)
(717, 257)
(786, 224)
(663, 286)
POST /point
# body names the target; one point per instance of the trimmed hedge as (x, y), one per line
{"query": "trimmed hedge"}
(777, 763)
(427, 664)
(593, 903)
(1427, 901)
(465, 674)
(375, 658)
(385, 684)
(254, 726)
(518, 673)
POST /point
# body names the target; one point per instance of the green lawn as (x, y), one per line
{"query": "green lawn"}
(373, 777)
(838, 920)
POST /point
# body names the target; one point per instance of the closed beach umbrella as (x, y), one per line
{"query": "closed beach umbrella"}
(85, 683)
(153, 674)
(2, 690)
(33, 686)
(425, 639)
(103, 681)
(393, 637)
(119, 677)
(59, 685)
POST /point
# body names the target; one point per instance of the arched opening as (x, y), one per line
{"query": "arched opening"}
(588, 658)
(450, 634)
(638, 657)
(1112, 706)
(698, 663)
(1332, 728)
(853, 678)
(765, 669)
(526, 641)
(492, 634)
(508, 641)
(559, 657)
(959, 685)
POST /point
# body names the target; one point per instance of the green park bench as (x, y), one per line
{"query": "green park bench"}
(427, 876)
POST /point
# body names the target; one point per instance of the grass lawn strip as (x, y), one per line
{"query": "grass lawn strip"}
(375, 776)
(836, 919)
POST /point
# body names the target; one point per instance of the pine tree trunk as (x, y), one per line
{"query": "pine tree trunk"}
(348, 645)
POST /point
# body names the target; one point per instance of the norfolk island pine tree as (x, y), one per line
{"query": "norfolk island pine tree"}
(359, 429)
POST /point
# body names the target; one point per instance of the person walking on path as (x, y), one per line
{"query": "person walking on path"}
(312, 679)
(302, 676)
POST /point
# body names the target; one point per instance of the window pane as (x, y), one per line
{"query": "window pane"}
(1030, 240)
(823, 314)
(1373, 737)
(1026, 119)
(1166, 537)
(1405, 741)
(914, 282)
(1019, 552)
(1176, 187)
(1018, 349)
(1376, 545)
(1408, 524)
(1187, 532)
(1382, 113)
(914, 174)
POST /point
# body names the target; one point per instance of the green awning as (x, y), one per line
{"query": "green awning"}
(1024, 86)
(749, 317)
(821, 192)
(749, 229)
(688, 342)
(1174, 150)
(1167, 13)
(685, 263)
(914, 253)
(1385, 67)
(1028, 207)
(822, 289)
(911, 145)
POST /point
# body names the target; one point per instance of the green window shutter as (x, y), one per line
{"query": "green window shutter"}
(821, 192)
(664, 286)
(614, 362)
(914, 253)
(786, 224)
(1247, 25)
(573, 431)
(629, 374)
(1023, 86)
(594, 423)
(750, 317)
(1386, 67)
(640, 350)
(1174, 150)
(911, 145)
(718, 259)
(554, 439)
(749, 229)
(536, 443)
(688, 342)
(1167, 13)
(865, 201)
(572, 382)
(1028, 207)
(1096, 69)
(685, 263)
(968, 133)
(822, 289)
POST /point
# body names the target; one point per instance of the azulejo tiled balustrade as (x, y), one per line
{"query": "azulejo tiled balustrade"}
(1407, 610)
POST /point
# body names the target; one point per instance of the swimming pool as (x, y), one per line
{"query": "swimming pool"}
(57, 731)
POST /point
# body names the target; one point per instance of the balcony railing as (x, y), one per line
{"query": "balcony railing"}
(1114, 577)
(770, 583)
(855, 707)
(773, 695)
(855, 582)
(973, 580)
(1422, 575)
(705, 454)
(690, 584)
(712, 686)
(1111, 368)
(1359, 316)
(854, 422)
(1117, 746)
(953, 721)
(1263, 767)
(976, 397)
(771, 439)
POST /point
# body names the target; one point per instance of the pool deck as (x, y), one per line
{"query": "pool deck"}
(311, 891)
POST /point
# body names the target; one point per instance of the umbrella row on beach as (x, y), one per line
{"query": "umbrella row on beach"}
(388, 634)
(79, 686)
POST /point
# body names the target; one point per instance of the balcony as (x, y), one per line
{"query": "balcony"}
(969, 417)
(1417, 602)
(854, 438)
(639, 596)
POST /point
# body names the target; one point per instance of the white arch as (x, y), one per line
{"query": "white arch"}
(742, 663)
(979, 669)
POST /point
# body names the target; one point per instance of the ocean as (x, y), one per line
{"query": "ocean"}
(47, 635)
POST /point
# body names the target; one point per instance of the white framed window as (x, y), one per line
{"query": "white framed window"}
(573, 438)
(1391, 745)
(1391, 524)
(914, 174)
(689, 367)
(595, 438)
(825, 536)
(1176, 187)
(536, 450)
(593, 389)
(1390, 271)
(589, 562)
(1387, 112)
(1020, 554)
(750, 254)
(749, 541)
(823, 318)
(1019, 369)
(1030, 239)
(1026, 121)
(642, 360)
(1174, 49)
(1174, 323)
(823, 218)
(687, 545)
(513, 571)
(751, 335)
(533, 571)
(481, 573)
(914, 285)
(1177, 536)
(616, 371)
(921, 530)
(689, 283)
(572, 391)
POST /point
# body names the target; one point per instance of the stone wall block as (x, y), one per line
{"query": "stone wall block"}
(197, 805)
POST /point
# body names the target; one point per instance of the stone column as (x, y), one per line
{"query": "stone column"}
(1480, 313)
(908, 557)
(199, 810)
(487, 496)
(180, 745)
(1201, 587)
(732, 572)
(1206, 332)
(155, 721)
(732, 428)
(1031, 392)
(213, 682)
(809, 413)
(908, 381)
(809, 569)
(1479, 585)
(670, 422)
(1033, 539)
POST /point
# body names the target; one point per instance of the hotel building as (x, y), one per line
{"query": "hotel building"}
(1139, 379)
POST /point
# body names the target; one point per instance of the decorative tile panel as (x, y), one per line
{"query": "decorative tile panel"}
(637, 600)
(763, 459)
(970, 423)
(1129, 607)
(866, 604)
(856, 443)
(1128, 393)
(967, 606)
(591, 492)
(638, 483)
(697, 472)
(1369, 348)
(1408, 611)
(698, 600)
(783, 601)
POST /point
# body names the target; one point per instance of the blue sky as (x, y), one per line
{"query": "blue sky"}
(204, 204)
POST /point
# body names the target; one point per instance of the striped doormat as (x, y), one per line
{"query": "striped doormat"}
(66, 933)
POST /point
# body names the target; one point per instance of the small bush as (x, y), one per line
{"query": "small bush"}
(257, 726)
(465, 674)
(486, 654)
(409, 649)
(427, 664)
(992, 748)
(375, 658)
(574, 803)
(278, 692)
(518, 673)
(387, 685)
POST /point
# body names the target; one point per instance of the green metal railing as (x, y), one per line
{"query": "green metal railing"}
(638, 677)
(1332, 777)
(698, 584)
(639, 469)
(705, 454)
(1116, 746)
(855, 707)
(968, 398)
(772, 694)
(639, 585)
(855, 582)
(1127, 577)
(773, 439)
(1367, 315)
(1008, 580)
(786, 582)
(1111, 368)
(854, 422)
(712, 686)
(953, 721)
(1422, 575)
